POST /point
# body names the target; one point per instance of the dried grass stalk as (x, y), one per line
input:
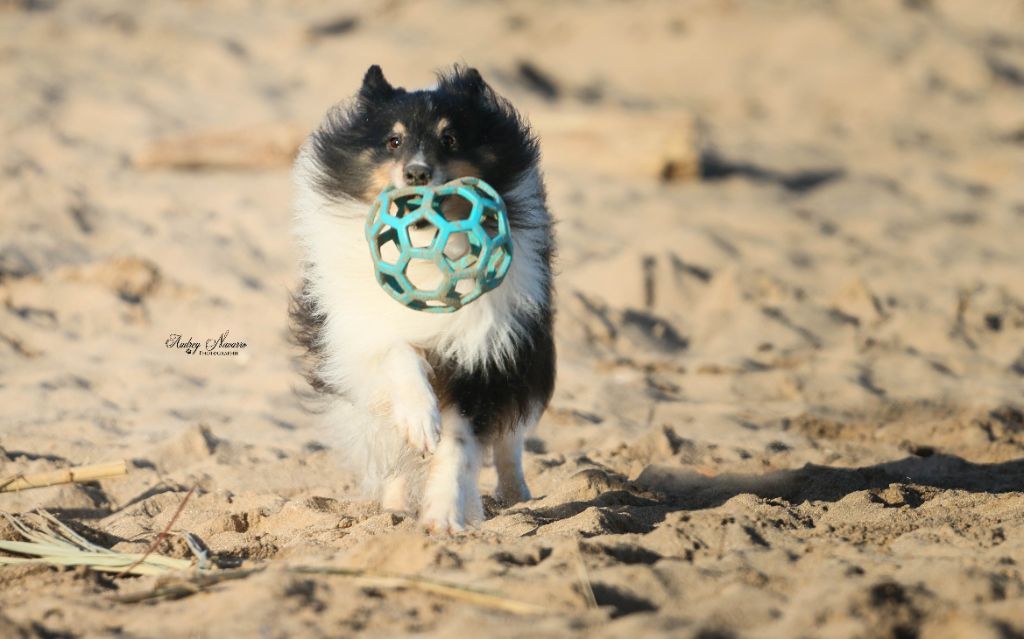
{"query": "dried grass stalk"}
(48, 541)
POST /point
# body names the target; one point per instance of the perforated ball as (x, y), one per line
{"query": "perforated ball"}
(438, 248)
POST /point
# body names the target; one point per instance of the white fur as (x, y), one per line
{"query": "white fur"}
(451, 497)
(374, 349)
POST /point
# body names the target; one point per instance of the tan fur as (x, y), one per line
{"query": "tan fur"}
(461, 168)
(379, 180)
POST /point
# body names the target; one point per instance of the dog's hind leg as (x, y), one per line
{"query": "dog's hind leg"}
(451, 497)
(508, 461)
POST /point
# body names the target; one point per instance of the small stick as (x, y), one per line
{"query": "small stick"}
(185, 587)
(162, 535)
(452, 591)
(64, 476)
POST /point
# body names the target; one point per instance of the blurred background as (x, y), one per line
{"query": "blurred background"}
(790, 233)
(822, 197)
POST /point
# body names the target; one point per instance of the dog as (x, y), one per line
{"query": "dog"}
(418, 398)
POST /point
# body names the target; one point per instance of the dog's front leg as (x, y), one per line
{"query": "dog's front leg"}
(451, 497)
(406, 388)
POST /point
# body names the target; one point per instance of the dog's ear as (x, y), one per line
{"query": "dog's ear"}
(375, 86)
(466, 81)
(471, 81)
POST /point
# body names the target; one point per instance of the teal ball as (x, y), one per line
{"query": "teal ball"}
(437, 248)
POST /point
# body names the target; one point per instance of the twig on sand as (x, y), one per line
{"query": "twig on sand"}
(63, 476)
(452, 591)
(192, 585)
(162, 535)
(179, 588)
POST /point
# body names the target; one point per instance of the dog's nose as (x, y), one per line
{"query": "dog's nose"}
(417, 174)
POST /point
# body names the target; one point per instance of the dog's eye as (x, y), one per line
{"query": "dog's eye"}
(449, 142)
(394, 142)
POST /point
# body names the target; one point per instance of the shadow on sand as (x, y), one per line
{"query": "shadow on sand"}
(638, 506)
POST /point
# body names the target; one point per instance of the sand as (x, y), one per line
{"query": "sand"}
(790, 317)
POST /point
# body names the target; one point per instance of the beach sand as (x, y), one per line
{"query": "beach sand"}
(790, 317)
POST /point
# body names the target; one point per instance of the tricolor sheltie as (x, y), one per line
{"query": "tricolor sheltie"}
(418, 398)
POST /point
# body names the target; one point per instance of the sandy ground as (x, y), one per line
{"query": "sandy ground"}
(789, 399)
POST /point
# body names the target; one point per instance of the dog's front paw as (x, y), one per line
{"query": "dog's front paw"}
(443, 520)
(421, 422)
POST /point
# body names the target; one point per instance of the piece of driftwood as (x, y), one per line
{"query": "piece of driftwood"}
(654, 145)
(264, 146)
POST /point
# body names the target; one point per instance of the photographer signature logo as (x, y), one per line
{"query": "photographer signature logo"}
(218, 347)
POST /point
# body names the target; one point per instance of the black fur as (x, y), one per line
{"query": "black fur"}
(496, 398)
(307, 324)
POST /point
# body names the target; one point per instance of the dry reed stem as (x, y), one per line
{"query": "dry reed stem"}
(77, 474)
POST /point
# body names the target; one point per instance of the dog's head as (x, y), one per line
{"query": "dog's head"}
(388, 136)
